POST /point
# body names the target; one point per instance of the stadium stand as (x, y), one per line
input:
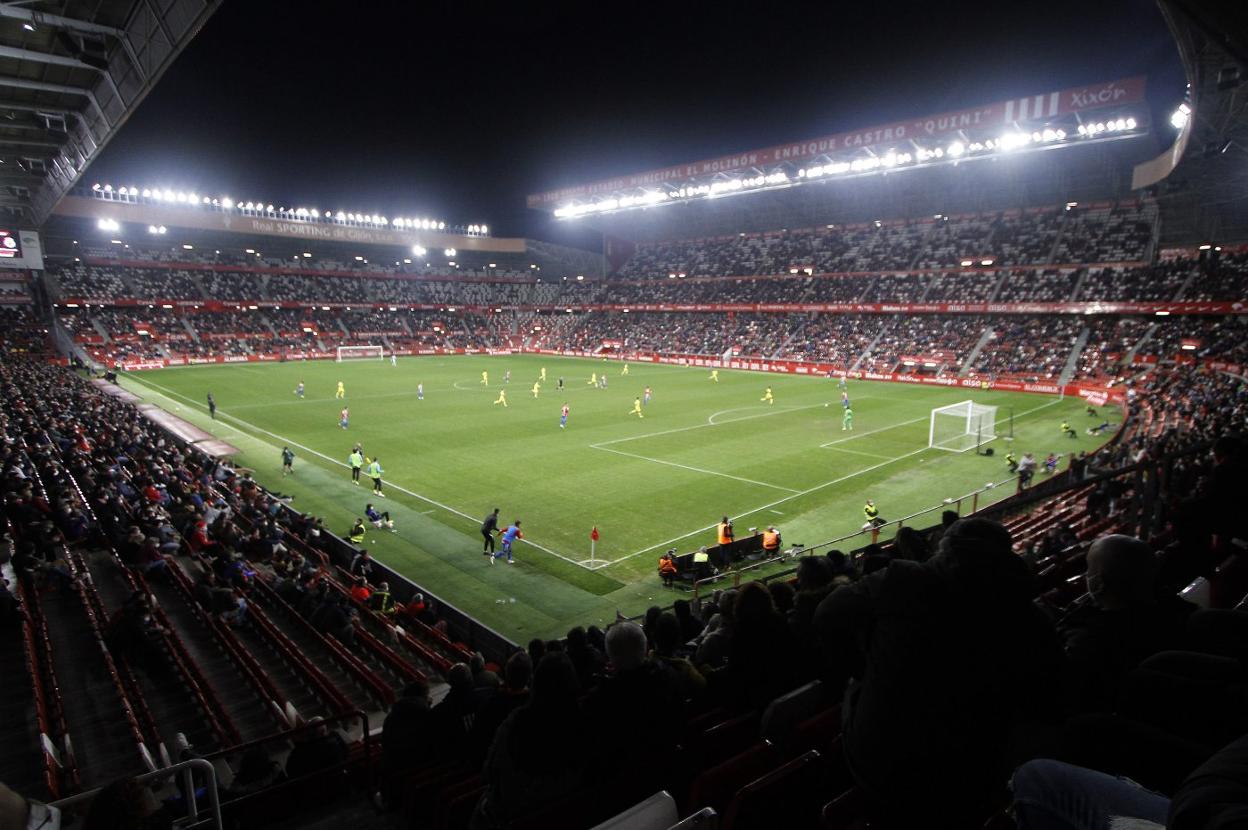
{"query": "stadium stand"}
(211, 620)
(227, 626)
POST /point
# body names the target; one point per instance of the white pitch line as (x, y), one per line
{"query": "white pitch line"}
(817, 487)
(602, 444)
(692, 469)
(776, 503)
(874, 431)
(858, 452)
(335, 461)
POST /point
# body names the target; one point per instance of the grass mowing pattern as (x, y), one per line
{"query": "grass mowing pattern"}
(703, 450)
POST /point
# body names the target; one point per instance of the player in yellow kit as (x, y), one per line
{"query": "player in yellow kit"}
(542, 379)
(637, 408)
(768, 397)
(341, 391)
(625, 372)
(537, 387)
(502, 398)
(485, 378)
(715, 375)
(593, 379)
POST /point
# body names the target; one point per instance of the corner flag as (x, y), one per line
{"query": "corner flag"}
(593, 534)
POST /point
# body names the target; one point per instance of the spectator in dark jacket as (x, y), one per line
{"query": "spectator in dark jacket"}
(406, 734)
(316, 749)
(515, 693)
(538, 752)
(690, 626)
(634, 713)
(1127, 621)
(947, 657)
(587, 659)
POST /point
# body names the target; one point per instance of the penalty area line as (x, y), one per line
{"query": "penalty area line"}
(691, 469)
(343, 464)
(773, 504)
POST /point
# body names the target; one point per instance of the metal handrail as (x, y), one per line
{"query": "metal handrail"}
(184, 767)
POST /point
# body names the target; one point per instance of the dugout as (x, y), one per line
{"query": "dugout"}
(722, 557)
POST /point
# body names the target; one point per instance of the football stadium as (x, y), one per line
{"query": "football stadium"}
(544, 462)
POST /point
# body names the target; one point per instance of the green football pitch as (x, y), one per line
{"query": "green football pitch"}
(703, 449)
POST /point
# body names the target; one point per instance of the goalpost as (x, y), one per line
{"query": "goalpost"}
(359, 353)
(962, 426)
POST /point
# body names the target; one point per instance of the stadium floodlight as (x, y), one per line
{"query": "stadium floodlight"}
(188, 247)
(407, 261)
(449, 252)
(108, 225)
(108, 188)
(340, 216)
(227, 202)
(441, 226)
(96, 187)
(418, 251)
(307, 254)
(1180, 117)
(484, 230)
(269, 209)
(966, 263)
(985, 262)
(147, 194)
(961, 426)
(251, 250)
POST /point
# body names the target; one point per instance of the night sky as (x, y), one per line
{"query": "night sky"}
(455, 110)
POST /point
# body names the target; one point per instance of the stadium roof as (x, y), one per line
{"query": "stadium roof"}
(1202, 181)
(71, 73)
(1088, 114)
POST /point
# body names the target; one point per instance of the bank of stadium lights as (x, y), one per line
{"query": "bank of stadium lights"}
(159, 230)
(1180, 117)
(1116, 126)
(304, 213)
(108, 225)
(418, 251)
(450, 252)
(889, 160)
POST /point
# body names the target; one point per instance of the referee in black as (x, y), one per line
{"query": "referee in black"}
(488, 528)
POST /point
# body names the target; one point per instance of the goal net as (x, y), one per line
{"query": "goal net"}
(360, 353)
(962, 426)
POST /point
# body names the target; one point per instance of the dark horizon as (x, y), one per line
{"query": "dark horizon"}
(438, 111)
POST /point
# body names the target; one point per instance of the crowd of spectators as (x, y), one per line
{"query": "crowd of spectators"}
(1157, 282)
(1007, 676)
(963, 287)
(925, 343)
(1119, 234)
(1077, 235)
(1033, 348)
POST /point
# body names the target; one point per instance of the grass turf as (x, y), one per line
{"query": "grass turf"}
(703, 450)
